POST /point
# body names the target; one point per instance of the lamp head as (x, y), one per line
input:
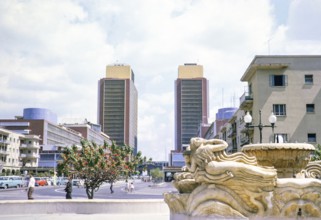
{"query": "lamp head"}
(248, 118)
(272, 118)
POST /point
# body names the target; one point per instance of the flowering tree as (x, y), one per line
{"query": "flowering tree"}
(123, 159)
(98, 164)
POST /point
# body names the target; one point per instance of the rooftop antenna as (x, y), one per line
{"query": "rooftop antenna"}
(268, 43)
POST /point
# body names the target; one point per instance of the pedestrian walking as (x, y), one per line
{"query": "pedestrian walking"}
(127, 187)
(111, 187)
(31, 186)
(68, 188)
(132, 187)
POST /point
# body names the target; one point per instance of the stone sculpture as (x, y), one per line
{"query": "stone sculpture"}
(216, 185)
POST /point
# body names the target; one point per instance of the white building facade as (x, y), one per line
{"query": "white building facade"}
(288, 86)
(17, 150)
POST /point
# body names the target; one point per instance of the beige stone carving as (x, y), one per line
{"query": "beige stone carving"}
(313, 170)
(216, 185)
(288, 158)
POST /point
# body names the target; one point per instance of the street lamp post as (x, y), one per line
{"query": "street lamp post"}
(248, 121)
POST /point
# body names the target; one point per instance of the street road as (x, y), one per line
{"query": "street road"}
(143, 190)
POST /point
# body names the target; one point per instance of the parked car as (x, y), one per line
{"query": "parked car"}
(49, 181)
(62, 181)
(40, 181)
(77, 182)
(11, 181)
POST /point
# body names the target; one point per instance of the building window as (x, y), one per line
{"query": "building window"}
(278, 80)
(310, 108)
(308, 79)
(312, 137)
(279, 109)
(280, 138)
(250, 89)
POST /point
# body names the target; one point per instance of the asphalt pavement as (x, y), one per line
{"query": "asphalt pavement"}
(143, 190)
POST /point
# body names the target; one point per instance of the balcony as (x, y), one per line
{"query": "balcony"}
(4, 152)
(244, 140)
(246, 100)
(242, 127)
(4, 141)
(30, 155)
(231, 133)
(29, 146)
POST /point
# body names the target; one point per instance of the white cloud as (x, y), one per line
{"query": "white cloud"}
(304, 20)
(54, 52)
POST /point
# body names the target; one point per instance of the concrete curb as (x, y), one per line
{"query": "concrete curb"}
(121, 206)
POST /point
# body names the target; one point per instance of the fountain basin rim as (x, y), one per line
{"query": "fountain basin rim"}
(297, 182)
(278, 146)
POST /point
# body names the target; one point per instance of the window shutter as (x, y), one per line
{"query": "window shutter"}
(271, 80)
(285, 80)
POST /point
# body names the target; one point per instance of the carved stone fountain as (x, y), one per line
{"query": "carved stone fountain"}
(264, 181)
(290, 159)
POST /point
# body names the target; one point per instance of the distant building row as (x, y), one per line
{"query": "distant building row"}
(117, 117)
(35, 140)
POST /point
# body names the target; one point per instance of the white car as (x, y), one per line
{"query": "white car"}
(77, 182)
(62, 181)
(11, 181)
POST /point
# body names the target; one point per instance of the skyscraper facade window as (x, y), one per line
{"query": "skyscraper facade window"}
(117, 105)
(191, 103)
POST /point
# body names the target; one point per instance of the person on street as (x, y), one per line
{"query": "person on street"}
(127, 187)
(111, 187)
(132, 187)
(31, 186)
(68, 188)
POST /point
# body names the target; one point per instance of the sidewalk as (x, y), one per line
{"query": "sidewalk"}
(86, 217)
(116, 209)
(84, 209)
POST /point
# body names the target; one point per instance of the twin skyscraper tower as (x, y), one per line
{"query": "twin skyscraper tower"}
(118, 104)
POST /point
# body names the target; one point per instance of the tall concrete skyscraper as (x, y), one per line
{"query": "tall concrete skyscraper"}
(191, 103)
(117, 105)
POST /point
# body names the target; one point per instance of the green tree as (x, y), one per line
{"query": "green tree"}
(98, 164)
(317, 153)
(156, 174)
(143, 166)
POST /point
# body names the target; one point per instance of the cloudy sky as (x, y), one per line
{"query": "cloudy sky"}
(52, 53)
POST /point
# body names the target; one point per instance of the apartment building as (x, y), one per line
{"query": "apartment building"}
(9, 151)
(288, 86)
(29, 150)
(224, 117)
(17, 150)
(233, 132)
